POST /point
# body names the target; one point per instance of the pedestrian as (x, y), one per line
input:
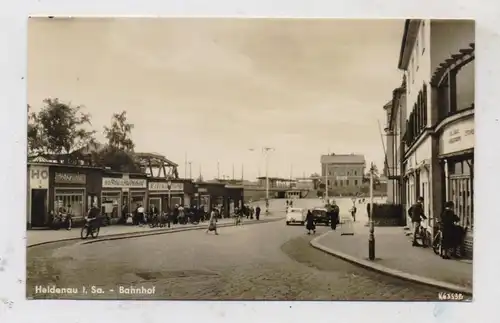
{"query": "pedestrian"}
(141, 216)
(416, 213)
(310, 225)
(212, 225)
(168, 216)
(335, 211)
(257, 212)
(353, 213)
(448, 229)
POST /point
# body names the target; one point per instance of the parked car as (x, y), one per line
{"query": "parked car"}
(320, 216)
(295, 215)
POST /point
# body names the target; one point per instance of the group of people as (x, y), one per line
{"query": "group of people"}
(177, 215)
(452, 232)
(332, 212)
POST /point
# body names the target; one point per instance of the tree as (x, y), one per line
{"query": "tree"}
(59, 129)
(118, 134)
(119, 152)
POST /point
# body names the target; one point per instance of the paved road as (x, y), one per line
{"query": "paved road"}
(267, 261)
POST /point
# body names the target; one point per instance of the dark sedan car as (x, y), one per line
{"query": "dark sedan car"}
(320, 216)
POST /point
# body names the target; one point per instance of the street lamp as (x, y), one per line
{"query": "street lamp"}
(169, 186)
(371, 237)
(266, 150)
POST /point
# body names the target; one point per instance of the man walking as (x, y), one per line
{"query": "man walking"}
(335, 211)
(416, 213)
(257, 212)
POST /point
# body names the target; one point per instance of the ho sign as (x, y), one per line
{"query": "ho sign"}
(39, 177)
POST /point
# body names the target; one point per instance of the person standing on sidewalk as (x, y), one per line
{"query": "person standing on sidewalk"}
(416, 213)
(257, 212)
(448, 220)
(212, 223)
(335, 211)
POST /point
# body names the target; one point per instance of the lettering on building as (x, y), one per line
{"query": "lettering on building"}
(39, 177)
(109, 182)
(162, 186)
(70, 178)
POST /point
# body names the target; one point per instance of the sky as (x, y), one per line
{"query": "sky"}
(218, 90)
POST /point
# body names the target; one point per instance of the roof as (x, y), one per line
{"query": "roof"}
(407, 42)
(343, 159)
(277, 179)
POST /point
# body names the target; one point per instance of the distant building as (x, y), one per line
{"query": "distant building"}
(343, 171)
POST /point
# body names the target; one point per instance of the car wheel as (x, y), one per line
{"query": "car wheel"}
(287, 223)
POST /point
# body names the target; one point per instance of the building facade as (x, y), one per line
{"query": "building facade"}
(437, 57)
(343, 173)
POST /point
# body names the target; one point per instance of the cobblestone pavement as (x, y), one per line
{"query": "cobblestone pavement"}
(269, 261)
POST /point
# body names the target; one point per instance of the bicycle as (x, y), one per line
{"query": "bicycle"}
(89, 229)
(437, 241)
(424, 236)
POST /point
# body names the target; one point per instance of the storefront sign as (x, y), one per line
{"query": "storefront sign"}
(108, 182)
(162, 186)
(457, 137)
(202, 190)
(39, 177)
(69, 178)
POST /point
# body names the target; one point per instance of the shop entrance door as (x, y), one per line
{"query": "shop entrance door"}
(38, 207)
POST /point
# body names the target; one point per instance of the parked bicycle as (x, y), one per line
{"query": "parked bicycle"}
(424, 236)
(437, 240)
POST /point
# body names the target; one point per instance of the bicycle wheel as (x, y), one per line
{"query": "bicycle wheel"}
(95, 232)
(84, 233)
(436, 244)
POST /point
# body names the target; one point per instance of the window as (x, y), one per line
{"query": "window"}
(412, 69)
(417, 121)
(356, 182)
(336, 183)
(347, 182)
(417, 53)
(71, 200)
(355, 173)
(423, 36)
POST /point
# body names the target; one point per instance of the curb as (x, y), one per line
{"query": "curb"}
(389, 271)
(119, 236)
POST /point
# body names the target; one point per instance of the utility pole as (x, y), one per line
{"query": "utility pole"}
(242, 172)
(233, 172)
(218, 174)
(185, 164)
(326, 181)
(266, 150)
(371, 237)
(190, 164)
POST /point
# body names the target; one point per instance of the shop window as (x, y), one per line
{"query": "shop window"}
(71, 201)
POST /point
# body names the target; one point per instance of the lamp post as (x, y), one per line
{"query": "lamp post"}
(169, 186)
(371, 237)
(190, 164)
(266, 150)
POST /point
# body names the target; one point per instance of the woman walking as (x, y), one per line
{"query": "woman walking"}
(448, 220)
(310, 226)
(212, 226)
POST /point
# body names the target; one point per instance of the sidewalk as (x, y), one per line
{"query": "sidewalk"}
(37, 237)
(394, 255)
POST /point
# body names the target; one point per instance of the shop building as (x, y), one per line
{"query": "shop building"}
(73, 187)
(220, 195)
(437, 57)
(167, 193)
(122, 194)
